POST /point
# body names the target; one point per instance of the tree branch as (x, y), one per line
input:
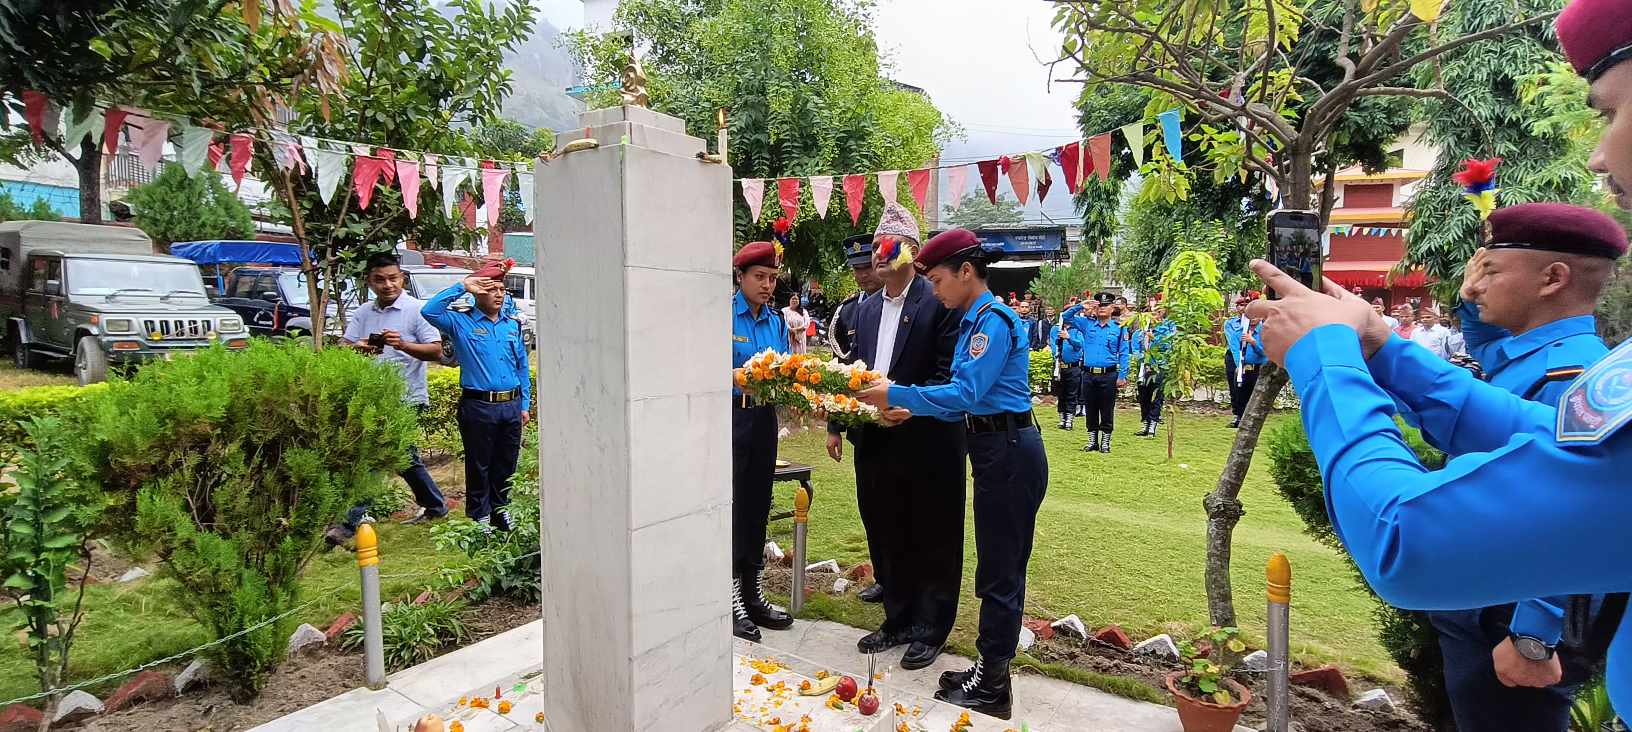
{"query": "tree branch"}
(1394, 69)
(1401, 91)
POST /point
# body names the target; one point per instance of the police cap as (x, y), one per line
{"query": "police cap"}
(858, 250)
(1557, 227)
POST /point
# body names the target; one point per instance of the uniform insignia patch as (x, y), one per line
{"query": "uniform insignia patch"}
(977, 345)
(740, 339)
(1599, 402)
(481, 331)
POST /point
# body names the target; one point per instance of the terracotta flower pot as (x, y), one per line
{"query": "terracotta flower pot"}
(1196, 715)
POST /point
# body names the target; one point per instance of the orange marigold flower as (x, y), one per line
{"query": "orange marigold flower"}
(740, 377)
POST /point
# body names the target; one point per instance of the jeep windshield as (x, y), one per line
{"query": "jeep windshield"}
(425, 284)
(295, 293)
(129, 278)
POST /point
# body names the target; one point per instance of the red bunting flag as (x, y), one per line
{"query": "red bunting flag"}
(988, 178)
(408, 175)
(1070, 160)
(112, 124)
(1043, 185)
(918, 183)
(367, 172)
(1019, 177)
(855, 187)
(217, 151)
(467, 210)
(241, 151)
(787, 193)
(34, 104)
(1099, 149)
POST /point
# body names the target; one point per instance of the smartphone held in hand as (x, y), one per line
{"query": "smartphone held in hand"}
(1295, 246)
(376, 340)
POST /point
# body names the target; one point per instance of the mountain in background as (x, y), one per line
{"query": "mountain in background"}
(540, 70)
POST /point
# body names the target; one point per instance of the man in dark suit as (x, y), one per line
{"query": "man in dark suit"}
(910, 479)
(841, 333)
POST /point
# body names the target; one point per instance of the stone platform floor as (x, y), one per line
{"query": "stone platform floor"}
(510, 663)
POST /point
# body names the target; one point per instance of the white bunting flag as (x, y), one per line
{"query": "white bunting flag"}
(887, 185)
(956, 179)
(753, 191)
(821, 192)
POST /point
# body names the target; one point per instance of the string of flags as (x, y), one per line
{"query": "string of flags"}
(1351, 230)
(1024, 171)
(456, 178)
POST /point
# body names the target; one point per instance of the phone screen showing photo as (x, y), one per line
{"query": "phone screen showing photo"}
(1294, 247)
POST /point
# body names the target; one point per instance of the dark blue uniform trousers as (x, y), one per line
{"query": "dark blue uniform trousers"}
(491, 433)
(1066, 388)
(753, 464)
(1098, 394)
(1011, 475)
(1479, 700)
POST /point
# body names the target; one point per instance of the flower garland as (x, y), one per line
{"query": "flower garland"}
(803, 382)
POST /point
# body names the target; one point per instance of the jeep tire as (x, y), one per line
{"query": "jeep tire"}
(22, 356)
(90, 362)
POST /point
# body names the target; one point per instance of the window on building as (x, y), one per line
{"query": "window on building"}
(1396, 158)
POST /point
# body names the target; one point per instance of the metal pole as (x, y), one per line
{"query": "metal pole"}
(368, 564)
(801, 515)
(1279, 574)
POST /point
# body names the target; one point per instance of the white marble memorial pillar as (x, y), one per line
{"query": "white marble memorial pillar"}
(634, 247)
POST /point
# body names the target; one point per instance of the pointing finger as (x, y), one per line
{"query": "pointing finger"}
(1260, 309)
(1273, 277)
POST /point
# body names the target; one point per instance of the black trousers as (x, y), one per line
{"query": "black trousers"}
(1242, 391)
(1150, 398)
(753, 462)
(1480, 702)
(1066, 388)
(1011, 476)
(491, 433)
(1099, 396)
(910, 488)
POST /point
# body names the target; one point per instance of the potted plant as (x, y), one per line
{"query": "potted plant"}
(1207, 699)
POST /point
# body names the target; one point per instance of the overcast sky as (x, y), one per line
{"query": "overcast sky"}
(978, 60)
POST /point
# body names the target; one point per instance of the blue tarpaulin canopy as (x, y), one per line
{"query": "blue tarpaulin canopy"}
(236, 252)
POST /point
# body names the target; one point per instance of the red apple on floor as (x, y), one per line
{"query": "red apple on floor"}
(868, 703)
(846, 689)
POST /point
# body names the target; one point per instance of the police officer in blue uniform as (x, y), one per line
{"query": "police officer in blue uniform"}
(1066, 344)
(756, 325)
(1527, 316)
(1243, 356)
(1104, 367)
(990, 391)
(496, 387)
(1150, 346)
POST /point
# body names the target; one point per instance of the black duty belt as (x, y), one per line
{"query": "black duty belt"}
(1100, 369)
(1250, 366)
(981, 423)
(492, 396)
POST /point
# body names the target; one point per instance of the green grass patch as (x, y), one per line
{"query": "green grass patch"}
(1121, 539)
(57, 373)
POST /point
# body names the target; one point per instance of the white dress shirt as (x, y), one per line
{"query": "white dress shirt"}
(1434, 337)
(889, 321)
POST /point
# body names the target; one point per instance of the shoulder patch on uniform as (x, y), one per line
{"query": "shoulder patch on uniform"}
(978, 344)
(1599, 402)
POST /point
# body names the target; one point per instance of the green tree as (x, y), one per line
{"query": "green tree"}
(806, 95)
(976, 210)
(1488, 115)
(39, 210)
(1055, 284)
(510, 140)
(177, 207)
(1235, 68)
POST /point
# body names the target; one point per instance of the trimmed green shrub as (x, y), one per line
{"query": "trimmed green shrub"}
(1405, 634)
(1042, 371)
(229, 467)
(17, 407)
(414, 634)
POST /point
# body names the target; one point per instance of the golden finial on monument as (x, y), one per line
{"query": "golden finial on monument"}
(634, 81)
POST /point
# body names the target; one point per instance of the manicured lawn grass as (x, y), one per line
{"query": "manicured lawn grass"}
(1120, 539)
(133, 623)
(56, 373)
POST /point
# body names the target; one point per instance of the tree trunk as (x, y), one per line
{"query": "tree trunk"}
(1223, 505)
(89, 167)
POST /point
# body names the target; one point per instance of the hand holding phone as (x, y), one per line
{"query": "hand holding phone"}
(1294, 247)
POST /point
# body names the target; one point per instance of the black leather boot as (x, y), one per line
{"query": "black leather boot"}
(1105, 443)
(883, 639)
(985, 689)
(763, 613)
(741, 625)
(1093, 442)
(1070, 421)
(1147, 429)
(873, 593)
(1062, 420)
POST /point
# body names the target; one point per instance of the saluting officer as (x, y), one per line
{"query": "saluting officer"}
(1104, 367)
(990, 391)
(1243, 356)
(755, 326)
(1527, 315)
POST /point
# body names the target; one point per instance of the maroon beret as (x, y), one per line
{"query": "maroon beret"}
(1557, 227)
(761, 253)
(1596, 35)
(495, 269)
(945, 245)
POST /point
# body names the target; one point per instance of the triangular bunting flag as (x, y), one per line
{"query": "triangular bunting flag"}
(524, 183)
(330, 166)
(888, 185)
(454, 173)
(113, 122)
(1018, 178)
(149, 136)
(821, 193)
(408, 179)
(753, 191)
(34, 104)
(787, 194)
(1170, 134)
(1037, 167)
(89, 123)
(242, 149)
(493, 179)
(855, 190)
(366, 172)
(988, 178)
(1135, 135)
(918, 183)
(1099, 149)
(193, 148)
(1071, 162)
(956, 180)
(286, 153)
(432, 171)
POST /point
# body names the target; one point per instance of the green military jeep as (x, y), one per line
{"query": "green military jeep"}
(100, 296)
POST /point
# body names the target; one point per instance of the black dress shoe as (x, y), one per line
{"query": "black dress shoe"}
(920, 655)
(985, 689)
(882, 640)
(1235, 423)
(873, 593)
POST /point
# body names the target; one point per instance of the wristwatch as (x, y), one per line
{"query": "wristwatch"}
(1531, 648)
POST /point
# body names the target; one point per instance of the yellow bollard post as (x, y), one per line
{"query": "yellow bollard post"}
(368, 565)
(1279, 580)
(801, 519)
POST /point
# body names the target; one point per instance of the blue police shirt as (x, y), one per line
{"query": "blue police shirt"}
(1252, 355)
(1445, 539)
(1537, 365)
(1067, 349)
(492, 356)
(751, 334)
(1155, 340)
(990, 370)
(1103, 344)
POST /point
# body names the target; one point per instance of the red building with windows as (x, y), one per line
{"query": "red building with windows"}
(1367, 233)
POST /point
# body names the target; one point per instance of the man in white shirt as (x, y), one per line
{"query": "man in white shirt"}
(1431, 335)
(1377, 307)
